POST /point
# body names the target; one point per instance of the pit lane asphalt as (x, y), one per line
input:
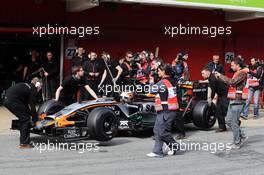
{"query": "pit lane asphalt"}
(126, 154)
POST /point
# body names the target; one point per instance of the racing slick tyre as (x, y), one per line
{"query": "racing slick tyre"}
(204, 115)
(102, 124)
(50, 107)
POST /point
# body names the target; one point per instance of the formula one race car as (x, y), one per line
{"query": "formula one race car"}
(102, 119)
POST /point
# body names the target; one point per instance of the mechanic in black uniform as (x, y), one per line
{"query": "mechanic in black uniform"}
(51, 70)
(79, 59)
(93, 71)
(67, 91)
(32, 68)
(115, 70)
(18, 99)
(220, 89)
(166, 105)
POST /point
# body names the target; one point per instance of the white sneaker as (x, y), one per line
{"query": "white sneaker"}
(171, 153)
(154, 155)
(235, 146)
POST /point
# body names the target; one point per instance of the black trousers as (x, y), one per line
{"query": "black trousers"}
(51, 87)
(162, 130)
(22, 112)
(221, 111)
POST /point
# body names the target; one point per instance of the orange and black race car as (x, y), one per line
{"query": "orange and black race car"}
(102, 119)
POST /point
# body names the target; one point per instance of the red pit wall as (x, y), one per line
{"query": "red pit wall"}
(31, 12)
(135, 28)
(247, 39)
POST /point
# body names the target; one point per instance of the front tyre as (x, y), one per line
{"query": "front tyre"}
(50, 107)
(102, 124)
(204, 115)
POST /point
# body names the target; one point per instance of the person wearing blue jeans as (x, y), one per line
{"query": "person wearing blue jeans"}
(235, 94)
(232, 120)
(255, 73)
(255, 93)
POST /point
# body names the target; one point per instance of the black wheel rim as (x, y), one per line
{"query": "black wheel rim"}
(210, 117)
(108, 124)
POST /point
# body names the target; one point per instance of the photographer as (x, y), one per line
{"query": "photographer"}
(180, 66)
(143, 69)
(152, 59)
(153, 76)
(127, 68)
(255, 83)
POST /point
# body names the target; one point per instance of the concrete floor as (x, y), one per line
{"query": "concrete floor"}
(127, 155)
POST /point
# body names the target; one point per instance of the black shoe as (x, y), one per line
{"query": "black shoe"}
(221, 130)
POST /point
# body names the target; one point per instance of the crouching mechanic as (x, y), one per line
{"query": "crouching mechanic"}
(219, 89)
(66, 93)
(18, 100)
(237, 95)
(166, 105)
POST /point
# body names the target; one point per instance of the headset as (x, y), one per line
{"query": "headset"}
(89, 55)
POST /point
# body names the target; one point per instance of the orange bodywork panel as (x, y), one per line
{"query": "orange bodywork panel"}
(42, 116)
(63, 122)
(150, 95)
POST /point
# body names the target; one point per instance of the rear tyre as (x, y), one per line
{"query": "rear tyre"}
(204, 115)
(102, 124)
